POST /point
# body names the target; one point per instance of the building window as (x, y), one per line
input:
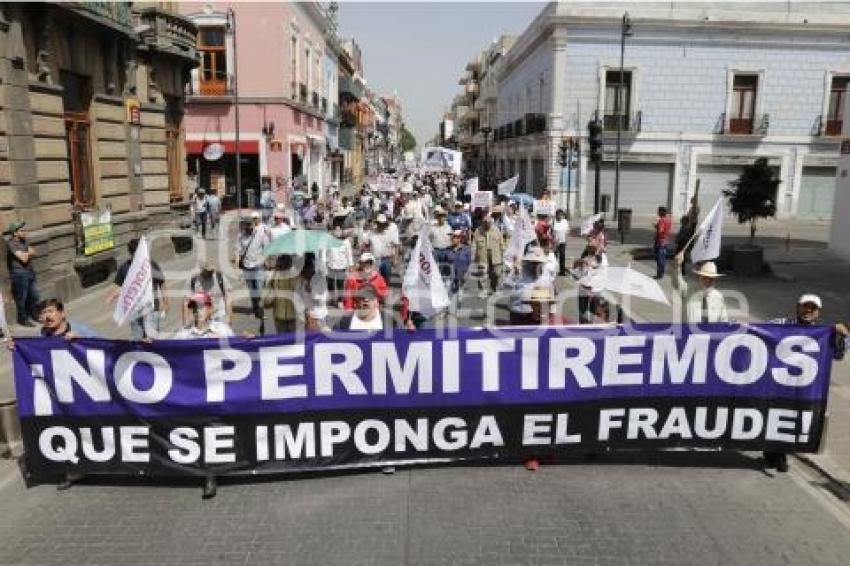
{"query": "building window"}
(616, 107)
(213, 72)
(76, 99)
(835, 114)
(743, 108)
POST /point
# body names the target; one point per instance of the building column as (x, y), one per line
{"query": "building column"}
(557, 123)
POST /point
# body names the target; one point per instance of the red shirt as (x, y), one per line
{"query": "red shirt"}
(662, 230)
(355, 282)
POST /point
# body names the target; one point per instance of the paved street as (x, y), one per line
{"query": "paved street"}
(672, 509)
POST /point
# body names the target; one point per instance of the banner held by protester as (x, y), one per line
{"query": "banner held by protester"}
(136, 294)
(353, 400)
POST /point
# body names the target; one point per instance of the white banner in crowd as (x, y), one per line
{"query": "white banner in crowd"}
(482, 199)
(509, 186)
(422, 284)
(707, 243)
(137, 291)
(441, 158)
(471, 186)
(544, 207)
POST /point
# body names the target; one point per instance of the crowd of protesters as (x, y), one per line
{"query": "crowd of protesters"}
(519, 250)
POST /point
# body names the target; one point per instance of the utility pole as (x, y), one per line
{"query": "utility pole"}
(625, 30)
(232, 17)
(594, 140)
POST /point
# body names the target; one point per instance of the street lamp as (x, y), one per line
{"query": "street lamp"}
(486, 173)
(625, 30)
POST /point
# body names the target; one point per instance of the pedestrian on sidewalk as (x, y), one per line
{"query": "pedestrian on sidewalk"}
(560, 230)
(662, 226)
(19, 256)
(808, 313)
(214, 211)
(252, 241)
(213, 282)
(705, 304)
(146, 325)
(684, 242)
(199, 212)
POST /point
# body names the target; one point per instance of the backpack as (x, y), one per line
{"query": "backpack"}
(193, 282)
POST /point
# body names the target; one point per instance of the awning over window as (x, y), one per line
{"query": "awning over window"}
(245, 146)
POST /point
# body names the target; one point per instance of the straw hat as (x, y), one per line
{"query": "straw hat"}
(540, 295)
(708, 269)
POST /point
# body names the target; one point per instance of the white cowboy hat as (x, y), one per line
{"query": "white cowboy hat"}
(708, 269)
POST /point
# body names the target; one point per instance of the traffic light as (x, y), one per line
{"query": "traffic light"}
(594, 140)
(563, 150)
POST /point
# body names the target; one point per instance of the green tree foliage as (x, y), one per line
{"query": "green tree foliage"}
(753, 194)
(408, 142)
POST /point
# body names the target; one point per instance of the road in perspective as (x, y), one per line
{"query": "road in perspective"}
(391, 283)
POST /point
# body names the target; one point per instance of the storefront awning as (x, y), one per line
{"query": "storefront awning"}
(245, 146)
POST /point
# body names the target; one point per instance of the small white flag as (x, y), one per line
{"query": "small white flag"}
(707, 243)
(422, 284)
(471, 186)
(509, 186)
(587, 224)
(137, 290)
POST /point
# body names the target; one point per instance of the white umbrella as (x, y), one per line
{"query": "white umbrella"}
(627, 281)
(587, 224)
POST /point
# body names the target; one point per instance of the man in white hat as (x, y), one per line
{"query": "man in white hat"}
(808, 312)
(707, 303)
(382, 244)
(441, 238)
(531, 277)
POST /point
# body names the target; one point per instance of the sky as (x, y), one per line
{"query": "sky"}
(419, 50)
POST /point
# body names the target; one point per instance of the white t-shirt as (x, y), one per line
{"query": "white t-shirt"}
(561, 228)
(377, 323)
(381, 243)
(215, 330)
(441, 236)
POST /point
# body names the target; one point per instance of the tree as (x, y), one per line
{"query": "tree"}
(408, 142)
(753, 194)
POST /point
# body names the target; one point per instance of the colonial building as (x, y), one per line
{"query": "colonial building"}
(706, 89)
(91, 131)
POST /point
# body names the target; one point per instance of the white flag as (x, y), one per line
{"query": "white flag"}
(707, 243)
(471, 186)
(137, 291)
(509, 186)
(422, 284)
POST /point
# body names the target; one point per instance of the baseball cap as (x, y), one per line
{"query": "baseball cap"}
(366, 256)
(810, 298)
(200, 298)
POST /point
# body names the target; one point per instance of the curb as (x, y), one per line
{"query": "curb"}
(836, 486)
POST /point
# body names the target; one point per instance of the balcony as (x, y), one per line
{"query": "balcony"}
(114, 15)
(631, 122)
(350, 87)
(168, 33)
(755, 126)
(833, 127)
(219, 85)
(472, 88)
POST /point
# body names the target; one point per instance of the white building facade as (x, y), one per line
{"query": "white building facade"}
(707, 89)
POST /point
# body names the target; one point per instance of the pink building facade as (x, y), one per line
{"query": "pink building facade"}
(274, 54)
